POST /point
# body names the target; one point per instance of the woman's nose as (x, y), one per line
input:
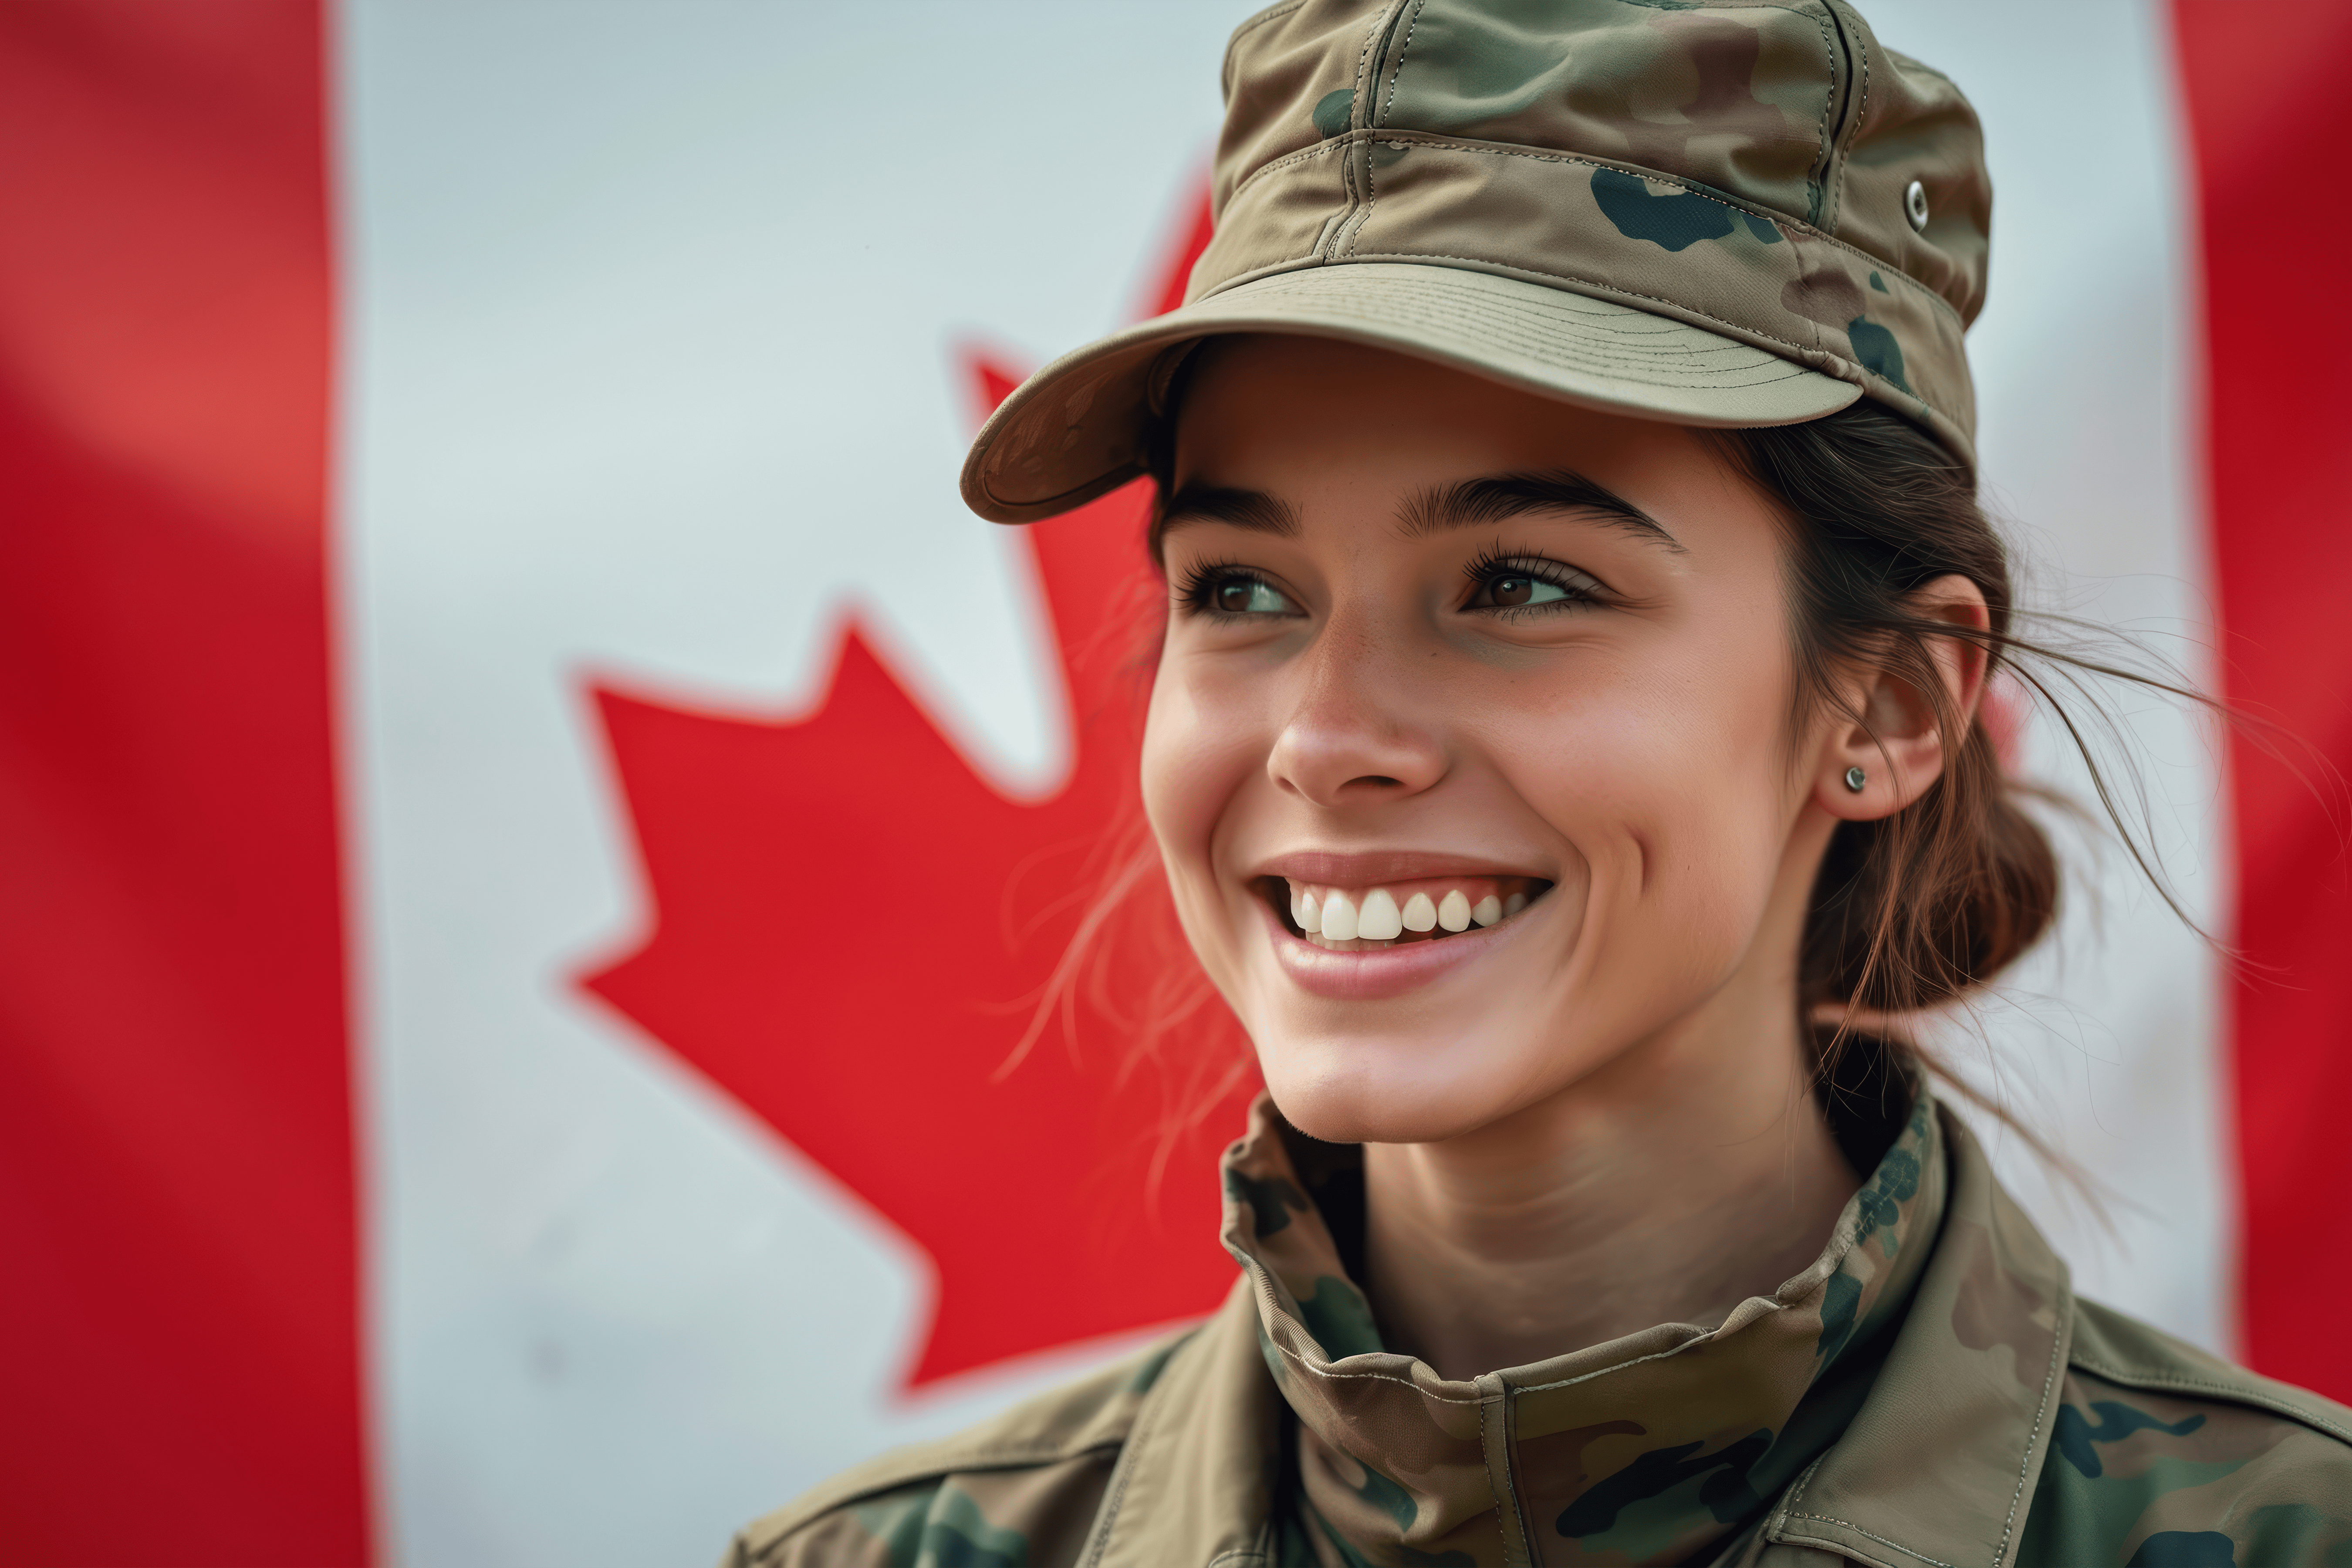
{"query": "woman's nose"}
(1344, 742)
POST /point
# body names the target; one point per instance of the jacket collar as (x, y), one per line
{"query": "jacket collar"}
(1967, 1374)
(1654, 1446)
(1971, 1380)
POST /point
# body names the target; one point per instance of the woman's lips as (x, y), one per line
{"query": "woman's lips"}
(1372, 868)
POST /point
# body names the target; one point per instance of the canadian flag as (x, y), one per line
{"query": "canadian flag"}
(533, 827)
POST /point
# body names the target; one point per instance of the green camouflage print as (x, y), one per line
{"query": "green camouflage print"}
(1929, 1393)
(1740, 164)
(1650, 1449)
(1745, 167)
(2144, 1471)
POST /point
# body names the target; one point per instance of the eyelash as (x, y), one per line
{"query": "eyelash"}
(1200, 583)
(1203, 580)
(1492, 563)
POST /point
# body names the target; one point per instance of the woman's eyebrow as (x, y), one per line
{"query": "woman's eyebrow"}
(1251, 510)
(1475, 503)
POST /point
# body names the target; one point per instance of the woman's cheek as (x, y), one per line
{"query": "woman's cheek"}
(1193, 765)
(1659, 814)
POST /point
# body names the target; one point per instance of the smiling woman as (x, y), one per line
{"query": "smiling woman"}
(1533, 663)
(1566, 756)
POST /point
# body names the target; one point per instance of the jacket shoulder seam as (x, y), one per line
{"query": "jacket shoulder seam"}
(2217, 1388)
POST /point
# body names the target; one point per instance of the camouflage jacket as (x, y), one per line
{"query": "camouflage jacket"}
(1928, 1395)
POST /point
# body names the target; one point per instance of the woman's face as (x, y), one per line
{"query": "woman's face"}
(1437, 647)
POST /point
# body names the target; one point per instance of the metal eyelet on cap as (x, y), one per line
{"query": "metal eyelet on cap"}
(1915, 207)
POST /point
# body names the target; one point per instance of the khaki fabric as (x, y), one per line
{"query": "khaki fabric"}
(1717, 212)
(1997, 1421)
(1655, 1447)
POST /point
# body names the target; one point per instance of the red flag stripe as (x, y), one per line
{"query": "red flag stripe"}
(2267, 110)
(176, 1193)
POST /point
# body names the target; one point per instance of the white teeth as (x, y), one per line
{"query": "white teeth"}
(1344, 921)
(1352, 946)
(1339, 918)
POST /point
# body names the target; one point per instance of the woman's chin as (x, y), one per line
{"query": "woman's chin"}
(1355, 1090)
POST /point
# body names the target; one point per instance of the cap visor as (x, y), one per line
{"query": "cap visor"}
(1077, 427)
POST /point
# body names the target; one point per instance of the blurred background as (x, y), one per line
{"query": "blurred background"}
(529, 814)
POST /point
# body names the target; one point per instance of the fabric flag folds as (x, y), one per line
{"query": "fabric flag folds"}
(488, 640)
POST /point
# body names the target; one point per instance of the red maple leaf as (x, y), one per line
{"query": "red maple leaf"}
(1020, 1152)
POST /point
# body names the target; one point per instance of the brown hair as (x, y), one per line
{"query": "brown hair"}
(1915, 909)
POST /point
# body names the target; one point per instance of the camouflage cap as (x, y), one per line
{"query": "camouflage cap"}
(1713, 211)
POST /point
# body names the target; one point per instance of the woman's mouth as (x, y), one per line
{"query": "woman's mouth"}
(1367, 918)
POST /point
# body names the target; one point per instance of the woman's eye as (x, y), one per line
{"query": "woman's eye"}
(1246, 597)
(1503, 586)
(1505, 592)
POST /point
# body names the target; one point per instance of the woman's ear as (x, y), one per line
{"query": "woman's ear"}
(1876, 766)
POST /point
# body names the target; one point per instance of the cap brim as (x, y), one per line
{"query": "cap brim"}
(1079, 427)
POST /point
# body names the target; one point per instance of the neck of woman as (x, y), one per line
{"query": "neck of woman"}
(1693, 1171)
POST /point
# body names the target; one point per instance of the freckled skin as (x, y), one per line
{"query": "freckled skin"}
(1627, 1064)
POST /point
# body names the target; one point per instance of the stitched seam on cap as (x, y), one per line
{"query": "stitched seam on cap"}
(1344, 143)
(1360, 206)
(1418, 5)
(1824, 133)
(1364, 59)
(1319, 149)
(1372, 176)
(1305, 155)
(1861, 114)
(1453, 145)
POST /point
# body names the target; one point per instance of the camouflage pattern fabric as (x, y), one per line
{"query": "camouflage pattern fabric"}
(1652, 1448)
(1427, 175)
(1739, 165)
(1940, 1396)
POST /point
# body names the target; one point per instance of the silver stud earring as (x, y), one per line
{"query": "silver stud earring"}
(1854, 779)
